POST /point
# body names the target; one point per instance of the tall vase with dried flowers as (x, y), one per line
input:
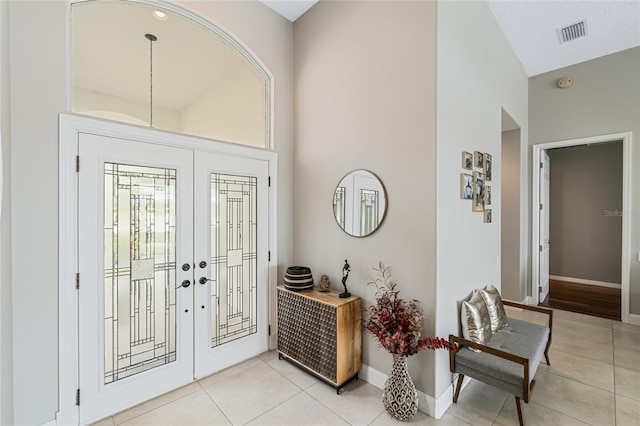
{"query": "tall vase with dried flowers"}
(397, 324)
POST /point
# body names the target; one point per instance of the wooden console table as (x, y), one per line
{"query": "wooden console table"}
(321, 333)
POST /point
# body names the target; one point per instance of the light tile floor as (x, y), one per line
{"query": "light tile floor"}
(594, 379)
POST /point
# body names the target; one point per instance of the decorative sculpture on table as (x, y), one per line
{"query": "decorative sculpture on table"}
(345, 274)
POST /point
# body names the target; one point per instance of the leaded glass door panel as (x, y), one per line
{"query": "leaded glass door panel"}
(231, 234)
(135, 233)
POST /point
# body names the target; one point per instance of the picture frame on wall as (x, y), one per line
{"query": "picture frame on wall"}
(478, 192)
(487, 166)
(467, 160)
(478, 159)
(487, 195)
(487, 216)
(466, 186)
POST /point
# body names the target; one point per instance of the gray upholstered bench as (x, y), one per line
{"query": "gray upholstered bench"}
(509, 360)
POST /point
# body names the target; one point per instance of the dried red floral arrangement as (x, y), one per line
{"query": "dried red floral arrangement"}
(397, 323)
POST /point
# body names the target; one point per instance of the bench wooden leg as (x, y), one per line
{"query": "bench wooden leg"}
(519, 407)
(458, 386)
(546, 357)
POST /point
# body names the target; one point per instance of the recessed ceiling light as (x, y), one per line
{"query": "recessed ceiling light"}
(160, 16)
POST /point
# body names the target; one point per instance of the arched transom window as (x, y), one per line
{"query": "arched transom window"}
(135, 62)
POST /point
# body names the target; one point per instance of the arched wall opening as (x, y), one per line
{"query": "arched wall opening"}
(163, 66)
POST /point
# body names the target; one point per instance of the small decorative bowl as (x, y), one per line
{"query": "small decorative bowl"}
(298, 278)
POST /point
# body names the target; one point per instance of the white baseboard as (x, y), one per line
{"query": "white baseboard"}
(634, 319)
(583, 281)
(526, 301)
(372, 376)
(426, 403)
(66, 416)
(445, 400)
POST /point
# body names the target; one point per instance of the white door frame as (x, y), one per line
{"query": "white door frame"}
(70, 126)
(543, 201)
(626, 138)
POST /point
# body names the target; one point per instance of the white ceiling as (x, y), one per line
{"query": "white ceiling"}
(530, 26)
(290, 9)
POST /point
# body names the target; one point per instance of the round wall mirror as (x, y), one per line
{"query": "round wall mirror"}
(359, 203)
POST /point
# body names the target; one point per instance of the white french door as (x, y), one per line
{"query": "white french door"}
(231, 261)
(172, 255)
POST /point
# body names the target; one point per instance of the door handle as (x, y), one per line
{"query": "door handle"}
(202, 264)
(186, 283)
(203, 280)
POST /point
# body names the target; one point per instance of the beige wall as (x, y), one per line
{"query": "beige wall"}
(101, 105)
(604, 99)
(512, 273)
(38, 67)
(478, 76)
(365, 99)
(6, 353)
(585, 200)
(231, 110)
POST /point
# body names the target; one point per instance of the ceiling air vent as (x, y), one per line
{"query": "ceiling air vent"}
(572, 32)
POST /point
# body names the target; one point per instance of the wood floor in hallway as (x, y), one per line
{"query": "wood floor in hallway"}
(587, 299)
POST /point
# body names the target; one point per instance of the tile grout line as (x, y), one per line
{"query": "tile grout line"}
(214, 403)
(330, 409)
(113, 417)
(570, 416)
(220, 408)
(584, 323)
(291, 381)
(588, 359)
(311, 396)
(374, 420)
(197, 381)
(561, 413)
(582, 356)
(585, 384)
(292, 396)
(319, 382)
(325, 405)
(272, 408)
(500, 410)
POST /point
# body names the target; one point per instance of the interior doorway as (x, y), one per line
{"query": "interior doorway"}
(578, 292)
(585, 224)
